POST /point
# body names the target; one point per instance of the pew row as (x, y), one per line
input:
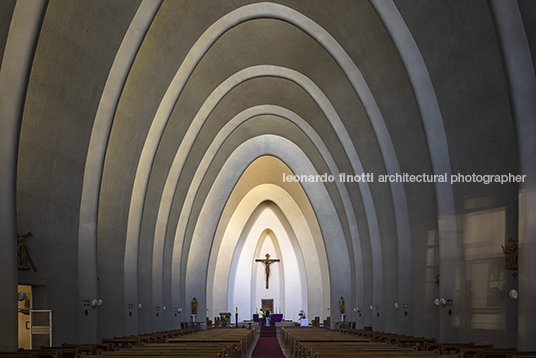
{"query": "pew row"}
(313, 342)
(242, 337)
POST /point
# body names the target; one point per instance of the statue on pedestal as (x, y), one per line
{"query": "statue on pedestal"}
(194, 306)
(24, 254)
(510, 260)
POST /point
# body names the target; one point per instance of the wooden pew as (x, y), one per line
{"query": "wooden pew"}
(228, 350)
(45, 352)
(291, 337)
(25, 354)
(159, 355)
(89, 349)
(313, 348)
(122, 342)
(185, 349)
(242, 337)
(521, 354)
(495, 352)
(414, 354)
(137, 340)
(303, 341)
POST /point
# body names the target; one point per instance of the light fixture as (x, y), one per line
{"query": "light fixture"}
(21, 296)
(396, 305)
(371, 308)
(100, 302)
(436, 301)
(164, 308)
(94, 303)
(139, 306)
(513, 294)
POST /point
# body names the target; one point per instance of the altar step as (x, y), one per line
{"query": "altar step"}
(269, 331)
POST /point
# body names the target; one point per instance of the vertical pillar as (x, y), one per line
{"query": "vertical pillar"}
(522, 87)
(14, 74)
(8, 236)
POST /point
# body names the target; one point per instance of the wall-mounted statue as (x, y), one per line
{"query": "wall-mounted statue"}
(510, 260)
(341, 305)
(194, 306)
(24, 254)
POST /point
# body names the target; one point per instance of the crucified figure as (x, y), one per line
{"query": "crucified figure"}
(267, 262)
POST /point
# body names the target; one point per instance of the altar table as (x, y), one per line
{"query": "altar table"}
(276, 317)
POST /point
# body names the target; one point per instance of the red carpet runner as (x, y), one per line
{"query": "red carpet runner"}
(267, 346)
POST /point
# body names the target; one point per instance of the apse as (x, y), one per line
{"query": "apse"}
(285, 284)
(272, 218)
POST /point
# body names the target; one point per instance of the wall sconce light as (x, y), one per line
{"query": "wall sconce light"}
(94, 303)
(164, 308)
(179, 310)
(442, 302)
(396, 305)
(139, 306)
(100, 302)
(513, 294)
(371, 307)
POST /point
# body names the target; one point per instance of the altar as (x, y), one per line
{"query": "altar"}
(276, 317)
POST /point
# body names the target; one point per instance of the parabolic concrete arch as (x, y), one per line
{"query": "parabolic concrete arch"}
(517, 57)
(338, 253)
(14, 75)
(292, 222)
(204, 165)
(284, 281)
(167, 105)
(437, 141)
(193, 130)
(87, 234)
(211, 35)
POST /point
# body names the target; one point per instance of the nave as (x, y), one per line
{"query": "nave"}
(275, 341)
(164, 162)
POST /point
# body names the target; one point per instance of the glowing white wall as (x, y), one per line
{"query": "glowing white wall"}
(247, 280)
(276, 288)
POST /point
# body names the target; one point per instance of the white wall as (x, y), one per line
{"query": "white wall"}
(287, 280)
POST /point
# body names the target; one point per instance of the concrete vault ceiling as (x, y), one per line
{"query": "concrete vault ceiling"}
(145, 124)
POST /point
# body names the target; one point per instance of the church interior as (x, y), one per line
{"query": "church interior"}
(297, 152)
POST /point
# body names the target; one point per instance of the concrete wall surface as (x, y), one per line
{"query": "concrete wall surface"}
(383, 149)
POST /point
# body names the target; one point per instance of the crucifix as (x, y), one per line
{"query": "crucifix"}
(267, 262)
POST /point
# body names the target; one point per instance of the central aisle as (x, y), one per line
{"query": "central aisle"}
(268, 344)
